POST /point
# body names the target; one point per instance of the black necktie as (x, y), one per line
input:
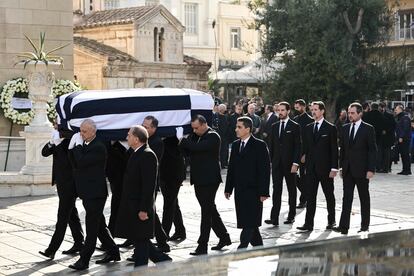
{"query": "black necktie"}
(315, 130)
(351, 137)
(282, 128)
(242, 146)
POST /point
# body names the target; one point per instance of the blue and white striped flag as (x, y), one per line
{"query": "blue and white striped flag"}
(115, 111)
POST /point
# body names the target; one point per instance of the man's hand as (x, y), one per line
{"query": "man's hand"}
(143, 215)
(333, 174)
(370, 175)
(263, 198)
(79, 140)
(400, 140)
(302, 160)
(227, 195)
(294, 169)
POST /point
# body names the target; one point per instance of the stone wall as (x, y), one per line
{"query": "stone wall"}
(30, 17)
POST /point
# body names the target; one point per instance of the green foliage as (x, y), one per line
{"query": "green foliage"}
(337, 49)
(39, 54)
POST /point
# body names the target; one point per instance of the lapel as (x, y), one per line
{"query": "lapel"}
(321, 131)
(358, 133)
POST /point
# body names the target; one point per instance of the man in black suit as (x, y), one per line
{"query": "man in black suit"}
(403, 133)
(115, 168)
(203, 147)
(303, 119)
(249, 176)
(375, 118)
(251, 113)
(320, 153)
(357, 160)
(172, 175)
(137, 210)
(88, 159)
(238, 112)
(223, 129)
(62, 176)
(285, 149)
(157, 146)
(269, 118)
(388, 138)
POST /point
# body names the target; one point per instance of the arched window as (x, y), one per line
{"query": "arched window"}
(161, 45)
(155, 44)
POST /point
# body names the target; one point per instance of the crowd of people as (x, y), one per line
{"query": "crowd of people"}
(304, 149)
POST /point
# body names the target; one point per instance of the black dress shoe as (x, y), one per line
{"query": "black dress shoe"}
(330, 226)
(363, 229)
(109, 258)
(272, 221)
(301, 205)
(289, 221)
(79, 265)
(222, 243)
(131, 259)
(343, 231)
(163, 247)
(47, 254)
(200, 250)
(305, 228)
(73, 250)
(126, 243)
(178, 236)
(404, 173)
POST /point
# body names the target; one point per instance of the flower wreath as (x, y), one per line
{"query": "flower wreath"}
(19, 87)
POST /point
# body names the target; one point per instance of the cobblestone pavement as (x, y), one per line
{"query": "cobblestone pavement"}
(27, 223)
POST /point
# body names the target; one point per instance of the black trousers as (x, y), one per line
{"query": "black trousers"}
(301, 184)
(116, 189)
(67, 214)
(142, 253)
(250, 235)
(278, 175)
(327, 184)
(386, 158)
(224, 153)
(171, 209)
(362, 185)
(96, 228)
(404, 150)
(210, 218)
(160, 235)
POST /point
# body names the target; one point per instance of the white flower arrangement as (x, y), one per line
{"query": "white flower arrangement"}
(20, 86)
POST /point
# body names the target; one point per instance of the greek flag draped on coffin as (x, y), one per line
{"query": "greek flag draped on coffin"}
(115, 111)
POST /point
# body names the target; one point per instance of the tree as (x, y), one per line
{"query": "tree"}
(337, 49)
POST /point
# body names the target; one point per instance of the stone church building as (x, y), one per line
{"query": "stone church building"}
(134, 47)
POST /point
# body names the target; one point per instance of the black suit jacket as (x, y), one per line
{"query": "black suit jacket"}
(285, 150)
(232, 127)
(249, 175)
(359, 157)
(89, 169)
(223, 127)
(157, 146)
(62, 173)
(138, 194)
(116, 162)
(204, 152)
(321, 150)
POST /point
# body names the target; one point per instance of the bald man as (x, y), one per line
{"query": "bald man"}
(88, 156)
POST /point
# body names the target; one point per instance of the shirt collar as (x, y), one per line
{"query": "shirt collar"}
(320, 122)
(270, 114)
(246, 140)
(358, 123)
(87, 143)
(285, 120)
